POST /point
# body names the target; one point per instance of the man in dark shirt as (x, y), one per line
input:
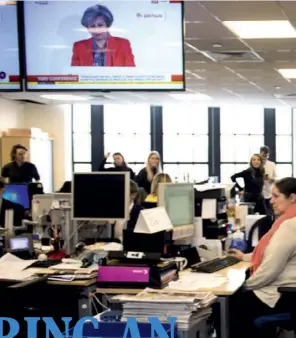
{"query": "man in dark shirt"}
(19, 170)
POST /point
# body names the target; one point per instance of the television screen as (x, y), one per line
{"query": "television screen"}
(9, 50)
(109, 45)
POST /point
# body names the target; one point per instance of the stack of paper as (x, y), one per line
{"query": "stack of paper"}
(189, 307)
(193, 281)
(13, 268)
(70, 272)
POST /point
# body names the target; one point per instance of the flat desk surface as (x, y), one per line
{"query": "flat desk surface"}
(81, 283)
(235, 274)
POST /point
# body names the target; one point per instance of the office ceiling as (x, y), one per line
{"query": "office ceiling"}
(219, 64)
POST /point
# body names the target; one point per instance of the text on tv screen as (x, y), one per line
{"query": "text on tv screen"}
(110, 45)
(9, 49)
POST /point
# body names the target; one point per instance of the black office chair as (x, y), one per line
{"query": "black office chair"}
(263, 225)
(285, 321)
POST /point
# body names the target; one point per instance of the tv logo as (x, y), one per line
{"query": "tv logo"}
(51, 329)
(151, 16)
(2, 75)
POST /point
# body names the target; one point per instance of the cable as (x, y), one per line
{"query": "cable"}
(102, 305)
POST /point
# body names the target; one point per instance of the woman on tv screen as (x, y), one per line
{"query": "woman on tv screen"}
(102, 49)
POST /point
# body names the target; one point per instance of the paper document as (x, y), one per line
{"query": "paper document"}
(13, 268)
(192, 281)
(209, 209)
(9, 258)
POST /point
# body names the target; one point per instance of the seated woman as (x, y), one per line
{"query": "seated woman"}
(135, 210)
(151, 199)
(273, 265)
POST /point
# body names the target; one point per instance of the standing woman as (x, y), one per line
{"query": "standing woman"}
(146, 175)
(119, 164)
(254, 181)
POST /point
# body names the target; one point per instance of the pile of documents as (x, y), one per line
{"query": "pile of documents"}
(189, 308)
(14, 269)
(192, 281)
(67, 272)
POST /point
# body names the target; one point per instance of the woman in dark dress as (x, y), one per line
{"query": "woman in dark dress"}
(146, 175)
(254, 180)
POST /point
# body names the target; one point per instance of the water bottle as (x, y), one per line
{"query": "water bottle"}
(229, 237)
(238, 241)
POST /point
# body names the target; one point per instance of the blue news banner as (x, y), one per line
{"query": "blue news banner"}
(90, 327)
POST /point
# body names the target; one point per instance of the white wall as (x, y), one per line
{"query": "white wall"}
(53, 119)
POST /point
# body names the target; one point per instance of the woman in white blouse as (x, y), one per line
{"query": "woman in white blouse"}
(273, 265)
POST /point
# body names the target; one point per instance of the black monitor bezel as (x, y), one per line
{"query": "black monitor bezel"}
(20, 51)
(24, 65)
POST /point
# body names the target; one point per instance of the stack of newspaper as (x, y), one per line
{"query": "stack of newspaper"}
(188, 307)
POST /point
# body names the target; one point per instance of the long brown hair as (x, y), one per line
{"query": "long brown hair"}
(261, 169)
(150, 174)
(124, 164)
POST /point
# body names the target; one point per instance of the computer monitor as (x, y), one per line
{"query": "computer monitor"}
(19, 243)
(178, 200)
(17, 193)
(101, 196)
(42, 204)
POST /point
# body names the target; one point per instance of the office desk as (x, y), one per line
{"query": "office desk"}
(77, 292)
(236, 277)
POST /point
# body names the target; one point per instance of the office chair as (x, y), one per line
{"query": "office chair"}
(285, 321)
(263, 225)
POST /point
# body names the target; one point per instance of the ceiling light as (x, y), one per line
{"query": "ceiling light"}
(62, 97)
(217, 45)
(280, 29)
(288, 73)
(277, 87)
(191, 97)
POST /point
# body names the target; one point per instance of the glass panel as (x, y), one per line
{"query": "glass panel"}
(284, 148)
(134, 147)
(185, 148)
(283, 121)
(284, 170)
(81, 118)
(82, 147)
(227, 170)
(242, 119)
(185, 119)
(82, 167)
(137, 167)
(127, 118)
(183, 172)
(239, 148)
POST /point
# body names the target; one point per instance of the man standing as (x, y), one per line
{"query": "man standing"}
(269, 176)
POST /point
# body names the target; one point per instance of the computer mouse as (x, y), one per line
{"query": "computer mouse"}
(42, 257)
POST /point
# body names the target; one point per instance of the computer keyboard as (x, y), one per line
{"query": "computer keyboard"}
(45, 264)
(215, 264)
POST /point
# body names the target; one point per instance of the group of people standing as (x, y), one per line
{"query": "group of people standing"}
(258, 181)
(145, 176)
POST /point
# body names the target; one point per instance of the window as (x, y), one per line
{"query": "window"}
(242, 135)
(186, 142)
(284, 142)
(127, 130)
(81, 137)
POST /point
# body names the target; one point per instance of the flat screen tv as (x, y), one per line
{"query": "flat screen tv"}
(108, 45)
(9, 47)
